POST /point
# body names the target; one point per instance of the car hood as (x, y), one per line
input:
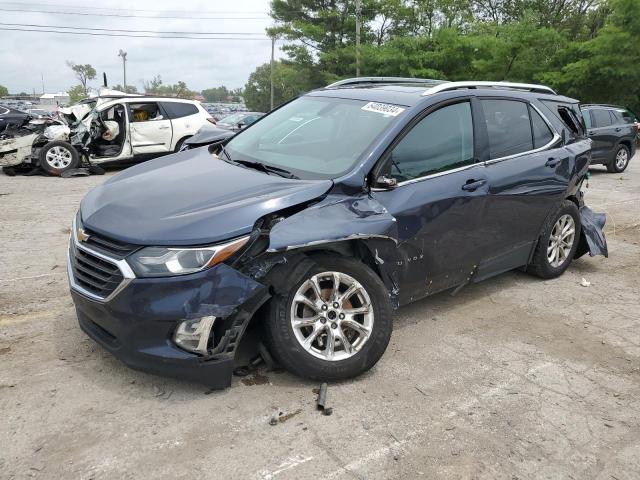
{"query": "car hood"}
(189, 198)
(209, 135)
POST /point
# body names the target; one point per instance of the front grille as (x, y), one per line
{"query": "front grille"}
(94, 274)
(113, 248)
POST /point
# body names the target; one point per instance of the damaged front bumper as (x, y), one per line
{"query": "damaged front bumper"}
(138, 324)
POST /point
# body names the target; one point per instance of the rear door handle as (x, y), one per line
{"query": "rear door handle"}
(472, 185)
(618, 129)
(164, 127)
(552, 162)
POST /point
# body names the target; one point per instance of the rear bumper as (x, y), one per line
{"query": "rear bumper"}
(137, 325)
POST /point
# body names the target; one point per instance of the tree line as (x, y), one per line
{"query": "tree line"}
(587, 49)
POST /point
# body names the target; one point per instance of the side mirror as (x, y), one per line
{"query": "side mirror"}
(385, 182)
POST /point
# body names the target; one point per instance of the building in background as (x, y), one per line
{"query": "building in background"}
(60, 98)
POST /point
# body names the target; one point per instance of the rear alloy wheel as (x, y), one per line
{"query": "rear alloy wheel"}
(557, 243)
(335, 322)
(57, 157)
(620, 161)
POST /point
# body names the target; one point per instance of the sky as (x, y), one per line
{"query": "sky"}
(25, 56)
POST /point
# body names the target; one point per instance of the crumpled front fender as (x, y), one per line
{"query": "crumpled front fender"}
(339, 218)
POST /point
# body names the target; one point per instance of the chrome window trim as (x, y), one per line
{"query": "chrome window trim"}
(122, 265)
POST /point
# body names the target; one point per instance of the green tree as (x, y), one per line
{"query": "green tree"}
(605, 68)
(3, 91)
(129, 89)
(76, 93)
(83, 73)
(216, 94)
(156, 87)
(289, 81)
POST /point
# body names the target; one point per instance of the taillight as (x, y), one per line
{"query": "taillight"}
(212, 120)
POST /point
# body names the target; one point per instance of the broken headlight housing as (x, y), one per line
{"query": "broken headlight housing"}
(194, 334)
(167, 262)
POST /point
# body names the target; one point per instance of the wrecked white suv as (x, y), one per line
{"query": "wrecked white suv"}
(111, 127)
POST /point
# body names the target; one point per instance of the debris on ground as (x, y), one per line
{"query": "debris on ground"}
(322, 400)
(585, 283)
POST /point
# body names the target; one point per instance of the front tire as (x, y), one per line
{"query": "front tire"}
(620, 161)
(321, 332)
(58, 157)
(557, 243)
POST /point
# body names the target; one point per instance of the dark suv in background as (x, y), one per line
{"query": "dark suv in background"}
(326, 215)
(613, 131)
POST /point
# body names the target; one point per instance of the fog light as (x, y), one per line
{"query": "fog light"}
(193, 335)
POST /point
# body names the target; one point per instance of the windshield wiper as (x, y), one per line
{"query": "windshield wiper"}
(265, 168)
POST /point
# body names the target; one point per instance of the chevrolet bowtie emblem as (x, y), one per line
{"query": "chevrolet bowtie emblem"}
(82, 235)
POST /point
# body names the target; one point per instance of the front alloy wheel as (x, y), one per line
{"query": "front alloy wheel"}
(332, 316)
(333, 323)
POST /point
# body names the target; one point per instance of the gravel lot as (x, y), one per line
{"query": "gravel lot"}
(512, 378)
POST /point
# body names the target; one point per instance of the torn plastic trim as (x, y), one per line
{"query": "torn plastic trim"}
(592, 238)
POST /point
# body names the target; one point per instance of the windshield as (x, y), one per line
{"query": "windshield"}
(314, 137)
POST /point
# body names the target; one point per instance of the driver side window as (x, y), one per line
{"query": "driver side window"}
(441, 141)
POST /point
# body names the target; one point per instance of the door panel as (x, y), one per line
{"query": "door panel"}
(151, 130)
(602, 134)
(438, 229)
(522, 192)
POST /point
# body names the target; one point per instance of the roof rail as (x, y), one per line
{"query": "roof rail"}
(385, 80)
(502, 85)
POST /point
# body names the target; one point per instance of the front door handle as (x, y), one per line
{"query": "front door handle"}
(472, 185)
(163, 127)
(618, 129)
(552, 162)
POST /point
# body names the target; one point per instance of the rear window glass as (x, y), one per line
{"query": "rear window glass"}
(627, 116)
(508, 127)
(542, 134)
(601, 117)
(179, 109)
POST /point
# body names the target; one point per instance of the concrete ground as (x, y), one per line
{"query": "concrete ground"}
(513, 378)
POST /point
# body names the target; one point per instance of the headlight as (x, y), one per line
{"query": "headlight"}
(166, 262)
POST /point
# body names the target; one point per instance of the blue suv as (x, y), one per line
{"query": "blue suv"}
(320, 219)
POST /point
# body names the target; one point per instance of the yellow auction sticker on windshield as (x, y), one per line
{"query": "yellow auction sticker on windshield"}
(383, 108)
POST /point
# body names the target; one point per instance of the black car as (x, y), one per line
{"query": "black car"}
(314, 224)
(613, 131)
(238, 121)
(11, 117)
(207, 135)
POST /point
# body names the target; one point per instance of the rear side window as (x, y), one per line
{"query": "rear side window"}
(508, 127)
(586, 116)
(627, 116)
(542, 134)
(179, 109)
(601, 117)
(441, 141)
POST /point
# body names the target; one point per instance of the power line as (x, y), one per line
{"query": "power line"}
(81, 7)
(135, 36)
(130, 16)
(127, 31)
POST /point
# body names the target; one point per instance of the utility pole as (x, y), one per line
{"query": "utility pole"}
(42, 78)
(123, 54)
(273, 50)
(358, 14)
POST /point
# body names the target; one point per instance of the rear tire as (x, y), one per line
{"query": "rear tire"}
(339, 343)
(58, 157)
(620, 160)
(557, 243)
